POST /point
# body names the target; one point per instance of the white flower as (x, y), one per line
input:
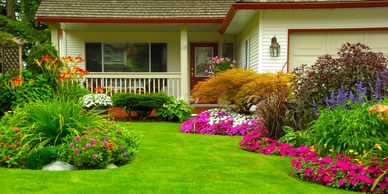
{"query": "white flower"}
(92, 100)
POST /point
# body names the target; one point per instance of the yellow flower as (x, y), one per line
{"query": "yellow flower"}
(331, 150)
(325, 145)
(351, 151)
(377, 146)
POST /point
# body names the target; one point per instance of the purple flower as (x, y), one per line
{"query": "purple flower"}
(121, 147)
(77, 138)
(125, 153)
(315, 109)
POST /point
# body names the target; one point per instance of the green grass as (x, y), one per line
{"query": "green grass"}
(172, 162)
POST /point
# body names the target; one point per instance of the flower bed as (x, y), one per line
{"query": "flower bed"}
(341, 172)
(222, 122)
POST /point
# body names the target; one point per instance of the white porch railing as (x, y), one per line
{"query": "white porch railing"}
(139, 83)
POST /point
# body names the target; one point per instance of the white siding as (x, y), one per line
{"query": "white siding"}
(278, 22)
(251, 33)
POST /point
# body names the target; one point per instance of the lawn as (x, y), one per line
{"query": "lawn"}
(172, 162)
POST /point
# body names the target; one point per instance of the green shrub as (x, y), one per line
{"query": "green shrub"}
(72, 91)
(54, 118)
(37, 52)
(356, 62)
(140, 103)
(174, 110)
(293, 137)
(97, 148)
(6, 97)
(344, 129)
(41, 157)
(14, 146)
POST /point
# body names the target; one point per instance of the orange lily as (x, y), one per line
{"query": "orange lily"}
(46, 58)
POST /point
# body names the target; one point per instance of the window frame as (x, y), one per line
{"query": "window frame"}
(247, 54)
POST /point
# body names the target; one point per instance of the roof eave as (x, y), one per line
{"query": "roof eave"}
(131, 20)
(297, 5)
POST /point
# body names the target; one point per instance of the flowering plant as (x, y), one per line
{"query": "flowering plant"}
(220, 64)
(222, 122)
(70, 70)
(14, 147)
(96, 148)
(96, 100)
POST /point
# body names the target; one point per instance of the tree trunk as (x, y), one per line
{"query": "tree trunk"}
(11, 8)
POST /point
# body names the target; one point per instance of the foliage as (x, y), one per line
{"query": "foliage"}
(174, 110)
(254, 141)
(14, 146)
(37, 52)
(97, 148)
(65, 116)
(345, 129)
(225, 86)
(293, 137)
(41, 157)
(220, 64)
(27, 87)
(272, 94)
(140, 103)
(96, 100)
(222, 122)
(72, 90)
(6, 96)
(341, 172)
(356, 63)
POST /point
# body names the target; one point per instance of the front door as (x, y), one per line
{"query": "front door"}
(201, 55)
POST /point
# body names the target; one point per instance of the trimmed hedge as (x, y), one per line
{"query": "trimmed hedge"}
(143, 104)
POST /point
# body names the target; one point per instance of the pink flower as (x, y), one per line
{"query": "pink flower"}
(341, 182)
(88, 145)
(76, 150)
(71, 144)
(94, 156)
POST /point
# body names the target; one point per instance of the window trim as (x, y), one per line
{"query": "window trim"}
(128, 42)
(247, 54)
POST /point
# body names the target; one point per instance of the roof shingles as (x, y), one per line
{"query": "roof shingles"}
(134, 8)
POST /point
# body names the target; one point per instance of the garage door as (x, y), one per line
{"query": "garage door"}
(305, 47)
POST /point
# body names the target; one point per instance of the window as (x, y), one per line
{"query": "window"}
(126, 57)
(247, 54)
(228, 50)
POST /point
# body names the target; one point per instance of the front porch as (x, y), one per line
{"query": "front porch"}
(110, 59)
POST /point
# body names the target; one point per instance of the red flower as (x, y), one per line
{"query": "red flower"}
(99, 89)
(62, 77)
(68, 59)
(17, 81)
(6, 158)
(46, 58)
(79, 59)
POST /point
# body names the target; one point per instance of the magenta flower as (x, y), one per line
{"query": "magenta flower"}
(94, 156)
(76, 150)
(92, 141)
(71, 144)
(88, 145)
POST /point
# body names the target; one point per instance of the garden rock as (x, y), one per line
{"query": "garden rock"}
(111, 166)
(59, 165)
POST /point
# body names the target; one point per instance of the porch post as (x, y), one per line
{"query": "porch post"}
(185, 92)
(55, 35)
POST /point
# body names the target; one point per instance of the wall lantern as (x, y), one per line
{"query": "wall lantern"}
(274, 48)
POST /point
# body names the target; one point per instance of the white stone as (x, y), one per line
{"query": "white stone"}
(111, 166)
(59, 165)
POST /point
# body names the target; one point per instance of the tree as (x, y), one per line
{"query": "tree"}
(10, 7)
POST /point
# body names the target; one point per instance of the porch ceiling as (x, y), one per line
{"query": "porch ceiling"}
(139, 27)
(240, 20)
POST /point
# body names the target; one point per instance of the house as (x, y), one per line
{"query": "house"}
(166, 45)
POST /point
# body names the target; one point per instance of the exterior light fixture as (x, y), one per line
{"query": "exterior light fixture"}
(274, 48)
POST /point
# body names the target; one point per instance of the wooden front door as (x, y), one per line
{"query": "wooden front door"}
(201, 55)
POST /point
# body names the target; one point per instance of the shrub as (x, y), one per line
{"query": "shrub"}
(14, 146)
(37, 52)
(140, 103)
(174, 110)
(222, 122)
(345, 129)
(53, 119)
(293, 137)
(97, 148)
(41, 157)
(356, 63)
(6, 96)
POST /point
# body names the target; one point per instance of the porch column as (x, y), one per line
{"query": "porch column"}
(185, 78)
(55, 35)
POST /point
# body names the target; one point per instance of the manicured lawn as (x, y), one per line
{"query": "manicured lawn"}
(172, 162)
